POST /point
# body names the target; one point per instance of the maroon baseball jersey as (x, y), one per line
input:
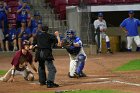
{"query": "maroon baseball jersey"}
(17, 56)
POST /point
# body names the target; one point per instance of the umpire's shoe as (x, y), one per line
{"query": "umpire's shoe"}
(51, 84)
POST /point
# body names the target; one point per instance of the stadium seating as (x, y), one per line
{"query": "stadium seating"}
(132, 1)
(12, 3)
(90, 2)
(62, 15)
(13, 9)
(9, 0)
(73, 2)
(117, 1)
(13, 22)
(103, 1)
(11, 16)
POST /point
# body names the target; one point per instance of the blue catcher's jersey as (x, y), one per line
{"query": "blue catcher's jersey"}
(72, 49)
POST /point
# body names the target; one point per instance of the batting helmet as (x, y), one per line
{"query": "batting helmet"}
(26, 42)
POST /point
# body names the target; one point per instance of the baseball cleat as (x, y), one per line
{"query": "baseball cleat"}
(82, 74)
(75, 75)
(109, 51)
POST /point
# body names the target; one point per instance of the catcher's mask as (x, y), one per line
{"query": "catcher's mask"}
(71, 33)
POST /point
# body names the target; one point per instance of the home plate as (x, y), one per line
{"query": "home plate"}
(35, 82)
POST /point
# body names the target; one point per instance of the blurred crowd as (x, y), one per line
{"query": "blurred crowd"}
(27, 24)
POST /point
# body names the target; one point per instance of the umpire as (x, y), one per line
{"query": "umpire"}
(44, 56)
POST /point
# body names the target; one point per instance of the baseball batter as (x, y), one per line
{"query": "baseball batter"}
(130, 27)
(19, 65)
(100, 24)
(74, 47)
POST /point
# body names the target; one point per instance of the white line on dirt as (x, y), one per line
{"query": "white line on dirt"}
(103, 82)
(127, 83)
(103, 78)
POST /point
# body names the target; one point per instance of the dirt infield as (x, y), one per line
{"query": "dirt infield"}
(99, 75)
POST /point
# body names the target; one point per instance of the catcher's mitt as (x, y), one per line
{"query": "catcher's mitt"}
(67, 42)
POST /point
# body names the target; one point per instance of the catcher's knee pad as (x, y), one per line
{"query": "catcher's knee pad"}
(81, 63)
(30, 76)
(81, 58)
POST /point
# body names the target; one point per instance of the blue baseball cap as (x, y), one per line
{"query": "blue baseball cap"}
(37, 14)
(23, 21)
(24, 1)
(100, 14)
(39, 22)
(131, 12)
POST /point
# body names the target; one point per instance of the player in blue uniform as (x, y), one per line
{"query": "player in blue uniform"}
(76, 54)
(23, 12)
(39, 27)
(33, 23)
(10, 37)
(4, 9)
(130, 27)
(1, 31)
(23, 33)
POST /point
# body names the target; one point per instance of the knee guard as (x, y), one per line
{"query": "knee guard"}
(81, 63)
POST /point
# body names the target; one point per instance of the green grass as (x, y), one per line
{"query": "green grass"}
(130, 66)
(2, 72)
(85, 91)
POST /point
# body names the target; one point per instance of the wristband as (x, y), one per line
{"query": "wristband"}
(13, 72)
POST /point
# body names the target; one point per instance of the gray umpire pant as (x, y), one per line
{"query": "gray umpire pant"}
(42, 73)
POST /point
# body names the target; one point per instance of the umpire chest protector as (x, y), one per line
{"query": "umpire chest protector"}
(45, 40)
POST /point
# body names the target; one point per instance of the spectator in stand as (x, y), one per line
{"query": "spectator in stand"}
(19, 2)
(38, 28)
(35, 30)
(4, 10)
(10, 38)
(33, 23)
(1, 31)
(23, 33)
(23, 12)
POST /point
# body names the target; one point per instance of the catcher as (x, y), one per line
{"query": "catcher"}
(74, 47)
(19, 65)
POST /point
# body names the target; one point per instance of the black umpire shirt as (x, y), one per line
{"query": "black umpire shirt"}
(44, 42)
